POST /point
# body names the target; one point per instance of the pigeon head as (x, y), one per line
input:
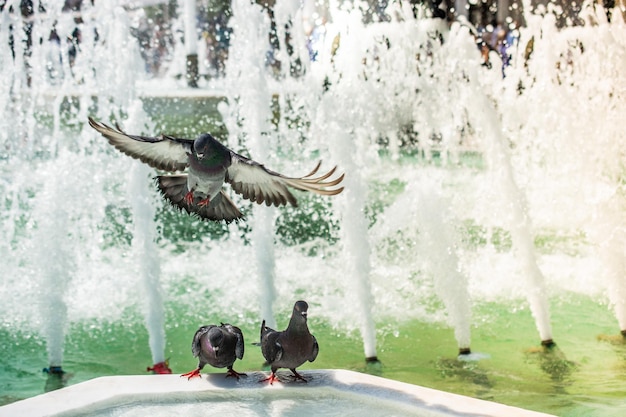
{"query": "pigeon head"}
(216, 337)
(300, 309)
(210, 152)
(204, 144)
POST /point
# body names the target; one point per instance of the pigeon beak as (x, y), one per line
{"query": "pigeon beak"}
(303, 314)
(200, 155)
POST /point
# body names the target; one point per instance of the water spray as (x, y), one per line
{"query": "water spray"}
(145, 249)
(248, 116)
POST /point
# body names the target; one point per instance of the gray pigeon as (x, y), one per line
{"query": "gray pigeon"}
(211, 164)
(289, 348)
(219, 346)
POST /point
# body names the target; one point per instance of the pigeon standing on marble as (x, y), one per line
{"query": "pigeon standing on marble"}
(218, 346)
(210, 164)
(291, 347)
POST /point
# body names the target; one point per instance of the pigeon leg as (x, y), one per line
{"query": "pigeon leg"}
(298, 376)
(192, 374)
(204, 202)
(233, 373)
(273, 377)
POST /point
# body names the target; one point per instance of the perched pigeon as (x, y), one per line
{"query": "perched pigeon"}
(219, 346)
(211, 164)
(289, 348)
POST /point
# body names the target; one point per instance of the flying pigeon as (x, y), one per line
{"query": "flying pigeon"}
(219, 346)
(291, 347)
(210, 164)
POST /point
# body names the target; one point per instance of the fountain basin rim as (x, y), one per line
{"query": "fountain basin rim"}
(110, 391)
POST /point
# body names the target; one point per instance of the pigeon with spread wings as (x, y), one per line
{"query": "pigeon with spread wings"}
(209, 165)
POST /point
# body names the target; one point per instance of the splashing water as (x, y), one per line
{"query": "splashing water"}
(65, 214)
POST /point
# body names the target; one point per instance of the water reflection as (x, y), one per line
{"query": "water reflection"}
(57, 378)
(552, 362)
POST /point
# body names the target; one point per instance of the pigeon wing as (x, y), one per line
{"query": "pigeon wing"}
(165, 153)
(270, 347)
(174, 188)
(274, 349)
(196, 344)
(239, 346)
(315, 350)
(257, 183)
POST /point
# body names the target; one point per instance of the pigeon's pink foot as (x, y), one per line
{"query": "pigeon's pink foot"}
(271, 378)
(204, 202)
(233, 373)
(298, 376)
(161, 368)
(192, 374)
(189, 198)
